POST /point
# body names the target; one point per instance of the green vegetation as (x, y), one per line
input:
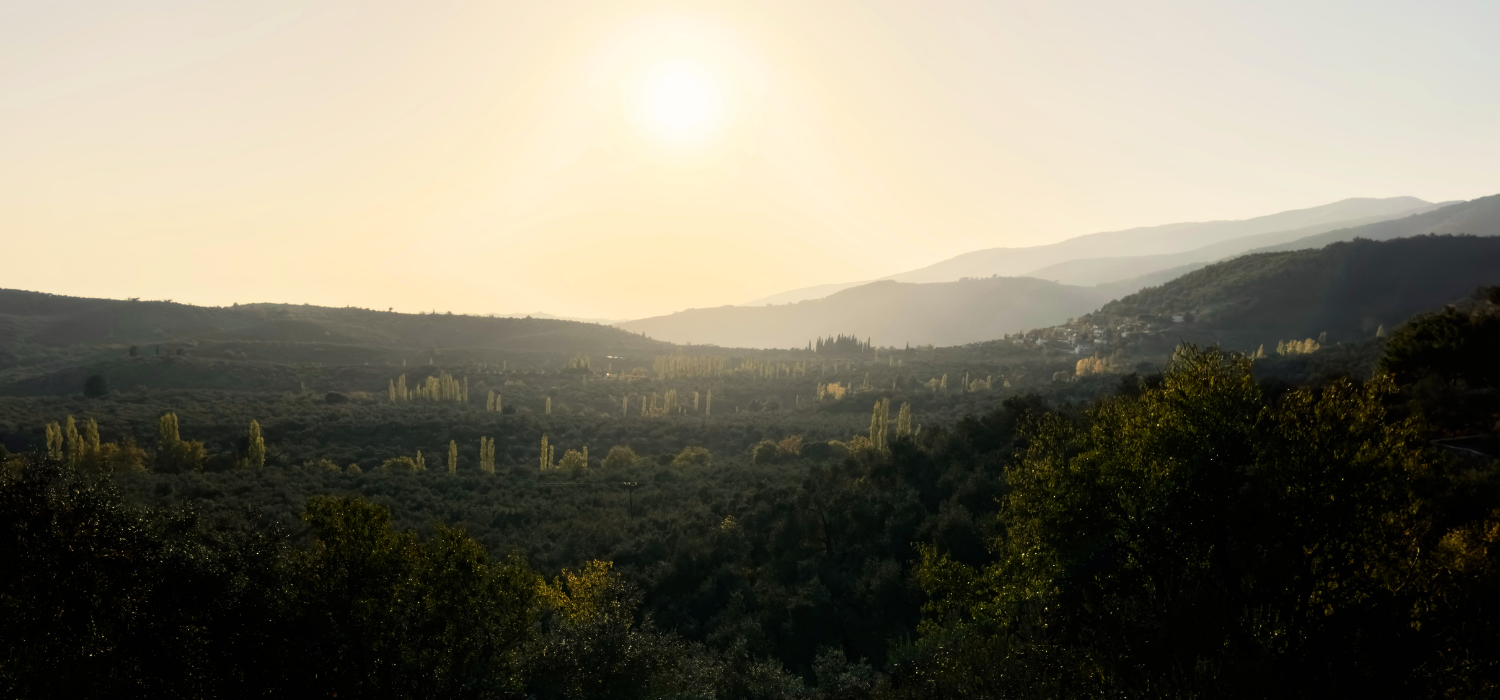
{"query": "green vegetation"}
(1006, 519)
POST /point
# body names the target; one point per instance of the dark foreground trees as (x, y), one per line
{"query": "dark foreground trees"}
(100, 599)
(1197, 540)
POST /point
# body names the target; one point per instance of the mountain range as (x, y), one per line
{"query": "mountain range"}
(1111, 256)
(897, 312)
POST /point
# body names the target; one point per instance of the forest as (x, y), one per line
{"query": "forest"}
(1063, 513)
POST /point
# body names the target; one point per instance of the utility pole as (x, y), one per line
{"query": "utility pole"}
(630, 488)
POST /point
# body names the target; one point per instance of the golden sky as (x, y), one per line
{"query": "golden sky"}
(625, 159)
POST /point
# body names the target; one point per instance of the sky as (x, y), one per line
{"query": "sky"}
(627, 159)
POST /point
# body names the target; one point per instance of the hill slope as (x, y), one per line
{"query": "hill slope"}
(1348, 289)
(889, 313)
(45, 340)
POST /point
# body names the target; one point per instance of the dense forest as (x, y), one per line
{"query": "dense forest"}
(535, 508)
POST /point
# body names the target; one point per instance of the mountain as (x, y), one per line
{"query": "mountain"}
(888, 313)
(49, 343)
(1156, 240)
(1479, 217)
(1119, 249)
(1346, 289)
(1476, 217)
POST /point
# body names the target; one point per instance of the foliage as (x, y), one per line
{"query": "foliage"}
(693, 457)
(620, 457)
(1194, 539)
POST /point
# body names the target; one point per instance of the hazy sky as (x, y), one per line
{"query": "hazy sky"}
(622, 159)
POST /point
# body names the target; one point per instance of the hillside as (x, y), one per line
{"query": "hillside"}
(1122, 249)
(1347, 290)
(889, 313)
(48, 341)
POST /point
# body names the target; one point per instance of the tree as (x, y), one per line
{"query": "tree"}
(619, 457)
(95, 386)
(1451, 345)
(255, 455)
(54, 438)
(573, 460)
(173, 454)
(693, 457)
(452, 456)
(1197, 536)
(487, 455)
(903, 421)
(74, 442)
(880, 420)
(394, 615)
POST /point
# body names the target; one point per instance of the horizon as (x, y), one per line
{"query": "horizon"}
(628, 161)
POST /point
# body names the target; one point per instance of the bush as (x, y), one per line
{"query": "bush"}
(620, 457)
(693, 457)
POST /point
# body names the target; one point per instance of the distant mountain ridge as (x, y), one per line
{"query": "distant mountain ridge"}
(941, 313)
(1165, 239)
(887, 312)
(1480, 217)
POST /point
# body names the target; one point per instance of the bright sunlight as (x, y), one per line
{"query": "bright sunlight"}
(681, 97)
(680, 102)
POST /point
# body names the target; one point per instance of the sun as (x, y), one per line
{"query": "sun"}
(675, 94)
(680, 101)
(681, 96)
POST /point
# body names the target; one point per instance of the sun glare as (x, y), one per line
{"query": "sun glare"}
(677, 94)
(680, 101)
(682, 97)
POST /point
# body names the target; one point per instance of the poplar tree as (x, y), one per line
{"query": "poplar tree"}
(546, 457)
(452, 457)
(487, 455)
(75, 443)
(54, 441)
(880, 423)
(549, 405)
(903, 421)
(708, 405)
(167, 436)
(256, 455)
(421, 464)
(91, 437)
